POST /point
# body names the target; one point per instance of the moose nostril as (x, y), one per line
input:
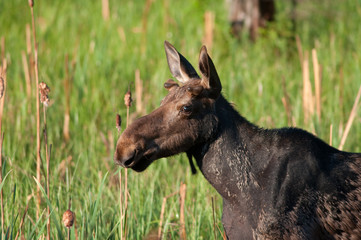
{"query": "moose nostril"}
(128, 163)
(130, 160)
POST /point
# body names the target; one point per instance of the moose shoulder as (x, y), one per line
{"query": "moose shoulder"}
(275, 184)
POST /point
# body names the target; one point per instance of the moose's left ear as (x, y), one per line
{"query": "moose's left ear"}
(210, 77)
(179, 66)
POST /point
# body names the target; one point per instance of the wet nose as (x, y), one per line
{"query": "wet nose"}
(124, 160)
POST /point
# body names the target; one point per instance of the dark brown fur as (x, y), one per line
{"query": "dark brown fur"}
(275, 184)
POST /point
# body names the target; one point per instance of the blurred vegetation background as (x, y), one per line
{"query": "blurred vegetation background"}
(265, 80)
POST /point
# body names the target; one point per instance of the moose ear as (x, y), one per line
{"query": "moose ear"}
(210, 77)
(170, 84)
(180, 68)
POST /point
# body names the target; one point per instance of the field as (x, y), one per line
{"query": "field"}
(89, 62)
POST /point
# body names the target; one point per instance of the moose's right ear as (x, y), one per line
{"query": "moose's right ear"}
(180, 68)
(209, 74)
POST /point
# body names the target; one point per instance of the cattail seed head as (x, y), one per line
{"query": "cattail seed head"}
(128, 99)
(68, 218)
(118, 122)
(44, 91)
(31, 3)
(2, 87)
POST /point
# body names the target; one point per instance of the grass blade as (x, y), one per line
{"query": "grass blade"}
(54, 218)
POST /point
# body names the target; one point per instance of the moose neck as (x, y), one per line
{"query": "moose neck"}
(226, 161)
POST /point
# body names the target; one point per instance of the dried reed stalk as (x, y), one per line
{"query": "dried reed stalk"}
(118, 121)
(128, 102)
(22, 219)
(105, 9)
(146, 10)
(28, 39)
(1, 180)
(121, 34)
(2, 47)
(162, 213)
(2, 100)
(138, 93)
(214, 220)
(331, 127)
(208, 29)
(26, 75)
(118, 126)
(161, 218)
(166, 18)
(29, 51)
(307, 97)
(48, 154)
(341, 92)
(44, 91)
(286, 102)
(182, 196)
(67, 89)
(350, 119)
(317, 76)
(38, 157)
(120, 205)
(299, 50)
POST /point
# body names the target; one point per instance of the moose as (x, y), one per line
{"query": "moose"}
(250, 15)
(275, 183)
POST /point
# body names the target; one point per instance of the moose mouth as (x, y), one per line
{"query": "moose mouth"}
(139, 161)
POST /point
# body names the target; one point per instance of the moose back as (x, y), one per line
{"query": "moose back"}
(275, 184)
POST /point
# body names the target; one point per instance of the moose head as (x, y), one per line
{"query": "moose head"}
(184, 119)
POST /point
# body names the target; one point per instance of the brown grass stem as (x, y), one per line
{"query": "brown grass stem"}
(26, 75)
(208, 29)
(2, 101)
(182, 194)
(128, 102)
(139, 93)
(23, 218)
(214, 220)
(146, 10)
(47, 155)
(105, 10)
(29, 52)
(1, 180)
(286, 102)
(38, 157)
(120, 205)
(2, 47)
(67, 89)
(317, 76)
(341, 93)
(350, 119)
(299, 50)
(166, 18)
(307, 96)
(161, 218)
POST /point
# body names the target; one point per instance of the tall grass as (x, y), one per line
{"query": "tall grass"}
(107, 53)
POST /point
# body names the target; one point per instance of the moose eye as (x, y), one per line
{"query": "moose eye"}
(186, 109)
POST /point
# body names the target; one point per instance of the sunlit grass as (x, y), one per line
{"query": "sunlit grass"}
(106, 61)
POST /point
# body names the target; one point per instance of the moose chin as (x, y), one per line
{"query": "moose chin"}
(275, 183)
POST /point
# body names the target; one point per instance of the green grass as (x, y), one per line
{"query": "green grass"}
(251, 75)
